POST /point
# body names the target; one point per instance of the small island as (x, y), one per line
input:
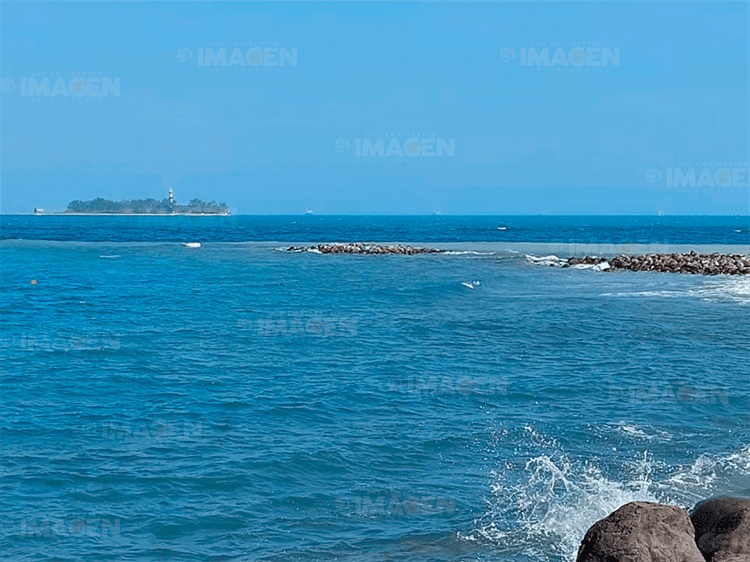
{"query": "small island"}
(166, 206)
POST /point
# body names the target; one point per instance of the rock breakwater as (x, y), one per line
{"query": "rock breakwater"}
(361, 248)
(703, 264)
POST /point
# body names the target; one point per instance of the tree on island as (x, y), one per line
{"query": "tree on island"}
(146, 207)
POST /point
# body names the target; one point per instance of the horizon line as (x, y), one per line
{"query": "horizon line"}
(364, 214)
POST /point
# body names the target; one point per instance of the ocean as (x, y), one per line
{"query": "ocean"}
(239, 402)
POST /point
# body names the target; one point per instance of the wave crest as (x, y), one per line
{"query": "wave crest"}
(543, 511)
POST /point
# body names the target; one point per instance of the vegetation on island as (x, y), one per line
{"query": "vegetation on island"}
(147, 207)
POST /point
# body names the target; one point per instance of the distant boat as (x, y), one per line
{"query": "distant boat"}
(502, 228)
(192, 244)
(309, 212)
(38, 211)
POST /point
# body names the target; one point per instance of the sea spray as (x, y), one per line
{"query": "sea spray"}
(543, 510)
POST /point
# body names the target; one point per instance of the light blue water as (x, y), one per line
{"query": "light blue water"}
(237, 402)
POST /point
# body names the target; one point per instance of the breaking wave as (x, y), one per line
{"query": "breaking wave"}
(715, 289)
(542, 509)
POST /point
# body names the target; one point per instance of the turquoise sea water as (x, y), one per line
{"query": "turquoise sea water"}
(240, 402)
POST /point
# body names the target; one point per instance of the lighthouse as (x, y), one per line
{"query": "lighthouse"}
(171, 196)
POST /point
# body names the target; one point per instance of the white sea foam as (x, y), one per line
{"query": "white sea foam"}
(544, 513)
(634, 431)
(553, 260)
(710, 475)
(740, 459)
(542, 258)
(110, 257)
(596, 267)
(665, 294)
(715, 289)
(545, 260)
(736, 289)
(465, 252)
(555, 504)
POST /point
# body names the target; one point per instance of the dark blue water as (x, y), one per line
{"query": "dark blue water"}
(237, 402)
(312, 228)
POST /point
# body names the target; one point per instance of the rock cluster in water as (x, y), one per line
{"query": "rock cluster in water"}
(718, 530)
(361, 248)
(705, 264)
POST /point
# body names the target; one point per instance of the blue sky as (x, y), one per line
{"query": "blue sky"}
(662, 127)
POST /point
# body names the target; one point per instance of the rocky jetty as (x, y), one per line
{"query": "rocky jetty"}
(704, 264)
(718, 530)
(361, 248)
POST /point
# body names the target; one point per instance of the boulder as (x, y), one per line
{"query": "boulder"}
(722, 529)
(641, 532)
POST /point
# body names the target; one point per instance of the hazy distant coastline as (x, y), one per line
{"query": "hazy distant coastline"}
(67, 213)
(142, 207)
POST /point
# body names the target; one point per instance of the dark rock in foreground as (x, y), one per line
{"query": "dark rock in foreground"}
(641, 532)
(705, 264)
(722, 529)
(360, 248)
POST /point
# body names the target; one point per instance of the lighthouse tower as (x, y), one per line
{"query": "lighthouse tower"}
(171, 196)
